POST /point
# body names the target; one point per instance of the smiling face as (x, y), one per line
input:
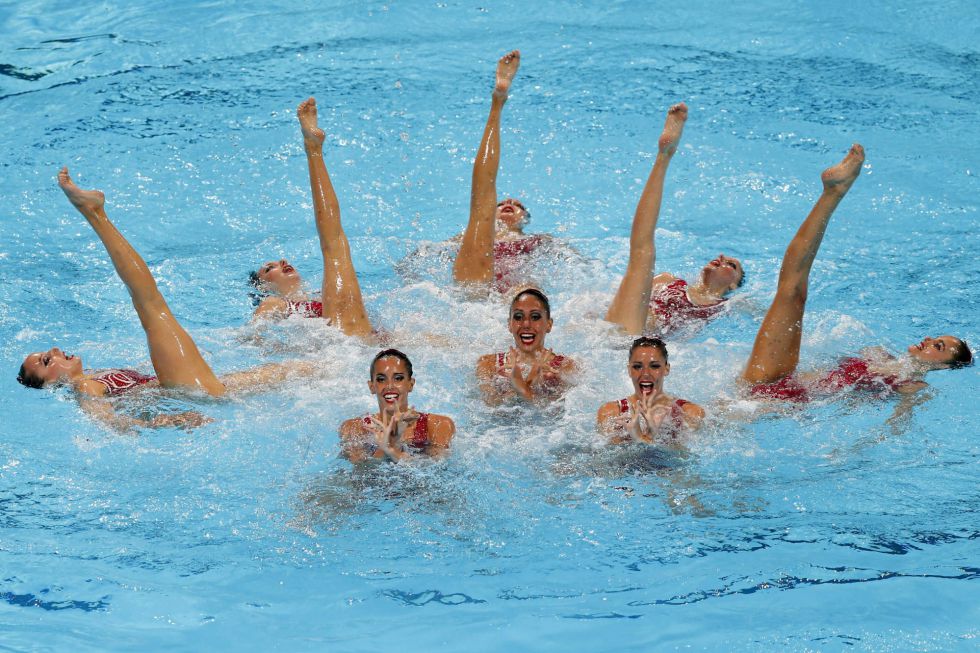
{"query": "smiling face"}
(511, 213)
(647, 368)
(529, 323)
(50, 367)
(390, 383)
(937, 352)
(279, 277)
(723, 274)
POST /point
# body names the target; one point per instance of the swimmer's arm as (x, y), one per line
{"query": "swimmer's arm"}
(271, 308)
(103, 412)
(442, 431)
(352, 435)
(609, 424)
(911, 387)
(269, 374)
(901, 417)
(486, 371)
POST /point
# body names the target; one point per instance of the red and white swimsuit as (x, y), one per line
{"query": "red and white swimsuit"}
(508, 255)
(850, 373)
(119, 381)
(673, 307)
(309, 308)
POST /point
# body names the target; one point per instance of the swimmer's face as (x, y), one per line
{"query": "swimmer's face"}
(279, 276)
(938, 352)
(511, 213)
(52, 366)
(723, 272)
(648, 368)
(390, 383)
(529, 323)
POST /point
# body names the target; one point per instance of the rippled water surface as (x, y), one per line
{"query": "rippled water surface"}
(847, 525)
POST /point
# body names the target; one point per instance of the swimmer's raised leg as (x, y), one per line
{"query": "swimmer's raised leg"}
(175, 357)
(340, 293)
(630, 306)
(474, 263)
(776, 351)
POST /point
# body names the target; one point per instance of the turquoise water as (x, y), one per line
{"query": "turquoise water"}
(833, 527)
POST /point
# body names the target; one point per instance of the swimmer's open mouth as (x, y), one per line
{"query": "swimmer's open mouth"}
(390, 397)
(646, 388)
(527, 338)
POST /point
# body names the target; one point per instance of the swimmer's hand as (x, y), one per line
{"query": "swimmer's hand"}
(648, 417)
(187, 420)
(522, 384)
(388, 436)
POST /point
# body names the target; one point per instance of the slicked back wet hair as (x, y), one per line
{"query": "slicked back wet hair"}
(29, 381)
(390, 352)
(533, 292)
(647, 341)
(962, 356)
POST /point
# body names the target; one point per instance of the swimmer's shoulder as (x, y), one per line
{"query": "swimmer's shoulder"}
(693, 414)
(272, 307)
(441, 429)
(352, 428)
(663, 279)
(607, 412)
(90, 388)
(486, 365)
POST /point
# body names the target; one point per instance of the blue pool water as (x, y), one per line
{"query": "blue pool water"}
(839, 526)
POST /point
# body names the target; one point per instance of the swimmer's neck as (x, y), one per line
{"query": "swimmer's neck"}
(702, 294)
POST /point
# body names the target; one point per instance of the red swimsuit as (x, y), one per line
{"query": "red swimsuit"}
(507, 258)
(119, 381)
(309, 308)
(850, 373)
(673, 307)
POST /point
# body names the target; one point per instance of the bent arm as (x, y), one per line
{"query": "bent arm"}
(269, 374)
(103, 412)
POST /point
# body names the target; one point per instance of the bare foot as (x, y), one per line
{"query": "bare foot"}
(506, 69)
(306, 112)
(839, 178)
(671, 136)
(86, 201)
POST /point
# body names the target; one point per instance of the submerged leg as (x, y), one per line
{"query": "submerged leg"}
(175, 357)
(630, 306)
(341, 293)
(474, 263)
(776, 351)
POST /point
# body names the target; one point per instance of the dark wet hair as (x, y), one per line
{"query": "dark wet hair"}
(257, 292)
(961, 355)
(30, 381)
(390, 352)
(533, 292)
(741, 279)
(647, 341)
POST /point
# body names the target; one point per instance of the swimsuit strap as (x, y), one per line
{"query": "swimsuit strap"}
(501, 362)
(420, 438)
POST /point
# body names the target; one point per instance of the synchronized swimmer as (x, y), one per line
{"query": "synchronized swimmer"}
(490, 251)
